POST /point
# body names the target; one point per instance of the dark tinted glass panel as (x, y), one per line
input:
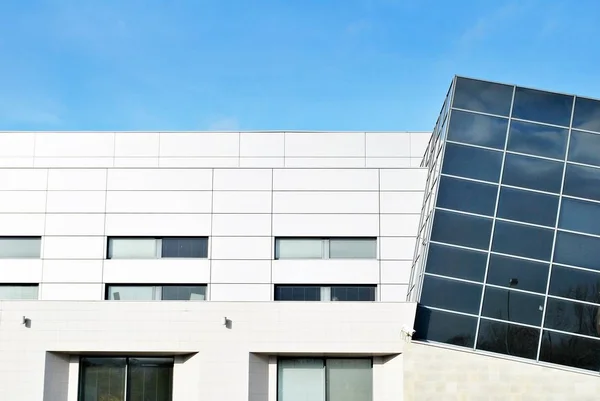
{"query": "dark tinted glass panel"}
(184, 247)
(574, 317)
(478, 129)
(536, 139)
(568, 350)
(577, 250)
(445, 327)
(297, 293)
(452, 295)
(587, 114)
(487, 97)
(574, 283)
(456, 262)
(513, 306)
(544, 107)
(578, 215)
(529, 172)
(102, 379)
(527, 206)
(467, 196)
(150, 379)
(470, 162)
(356, 293)
(508, 339)
(584, 148)
(583, 182)
(521, 240)
(518, 273)
(461, 229)
(183, 292)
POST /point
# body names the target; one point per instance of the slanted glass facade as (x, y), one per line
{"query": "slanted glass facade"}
(508, 259)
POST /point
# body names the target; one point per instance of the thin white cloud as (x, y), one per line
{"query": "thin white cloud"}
(225, 124)
(30, 111)
(488, 24)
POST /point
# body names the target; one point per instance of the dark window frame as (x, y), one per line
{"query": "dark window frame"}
(127, 358)
(372, 287)
(328, 246)
(107, 287)
(324, 359)
(158, 246)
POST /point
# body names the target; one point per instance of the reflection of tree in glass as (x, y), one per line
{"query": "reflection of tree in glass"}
(463, 340)
(508, 339)
(150, 383)
(578, 318)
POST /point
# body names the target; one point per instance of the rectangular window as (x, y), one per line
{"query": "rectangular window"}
(156, 292)
(18, 291)
(20, 247)
(131, 379)
(154, 248)
(361, 293)
(325, 248)
(332, 379)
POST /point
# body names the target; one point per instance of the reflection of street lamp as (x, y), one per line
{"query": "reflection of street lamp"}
(513, 282)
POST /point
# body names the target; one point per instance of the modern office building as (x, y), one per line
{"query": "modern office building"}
(294, 266)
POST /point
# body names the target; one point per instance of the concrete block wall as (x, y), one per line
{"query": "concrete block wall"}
(435, 373)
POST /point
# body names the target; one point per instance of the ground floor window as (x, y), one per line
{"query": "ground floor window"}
(126, 379)
(332, 379)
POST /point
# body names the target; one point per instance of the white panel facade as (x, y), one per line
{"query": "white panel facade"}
(243, 180)
(209, 144)
(75, 202)
(324, 144)
(163, 271)
(144, 224)
(158, 201)
(241, 193)
(13, 179)
(242, 201)
(21, 270)
(17, 144)
(325, 180)
(74, 144)
(242, 248)
(241, 271)
(328, 225)
(159, 180)
(262, 144)
(136, 144)
(326, 271)
(76, 179)
(22, 201)
(325, 202)
(73, 247)
(73, 271)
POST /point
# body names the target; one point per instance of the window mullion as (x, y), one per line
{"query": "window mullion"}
(325, 249)
(126, 386)
(159, 248)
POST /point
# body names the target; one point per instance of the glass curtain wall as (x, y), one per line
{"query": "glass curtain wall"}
(513, 259)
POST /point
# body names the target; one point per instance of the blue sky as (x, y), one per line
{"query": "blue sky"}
(278, 64)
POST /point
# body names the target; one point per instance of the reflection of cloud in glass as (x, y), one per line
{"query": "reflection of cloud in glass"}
(581, 216)
(587, 114)
(583, 182)
(477, 129)
(546, 107)
(585, 148)
(529, 172)
(537, 139)
(482, 96)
